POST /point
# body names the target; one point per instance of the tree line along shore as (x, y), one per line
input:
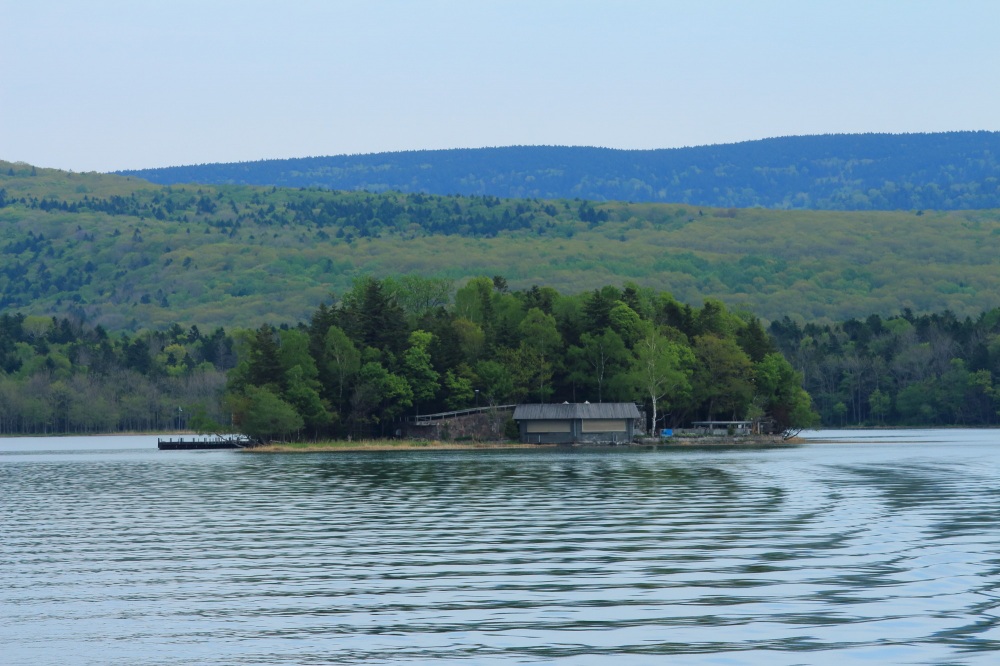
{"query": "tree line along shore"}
(396, 347)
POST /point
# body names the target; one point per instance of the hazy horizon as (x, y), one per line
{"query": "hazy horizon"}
(116, 85)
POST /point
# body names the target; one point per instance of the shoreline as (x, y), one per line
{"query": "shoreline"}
(734, 442)
(436, 445)
(389, 445)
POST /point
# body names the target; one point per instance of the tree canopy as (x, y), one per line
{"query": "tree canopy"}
(495, 346)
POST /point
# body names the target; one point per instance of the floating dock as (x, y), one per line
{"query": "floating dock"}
(202, 443)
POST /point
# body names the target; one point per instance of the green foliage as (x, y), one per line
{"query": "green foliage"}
(417, 368)
(499, 346)
(539, 332)
(305, 399)
(379, 395)
(202, 423)
(458, 384)
(419, 295)
(59, 376)
(905, 370)
(779, 389)
(722, 375)
(495, 378)
(510, 430)
(263, 415)
(350, 371)
(662, 368)
(341, 361)
(126, 254)
(597, 360)
(372, 316)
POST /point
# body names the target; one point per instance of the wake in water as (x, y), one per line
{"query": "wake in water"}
(879, 552)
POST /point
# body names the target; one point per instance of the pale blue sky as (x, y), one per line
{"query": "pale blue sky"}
(118, 84)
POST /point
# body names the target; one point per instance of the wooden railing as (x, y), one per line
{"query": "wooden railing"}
(427, 418)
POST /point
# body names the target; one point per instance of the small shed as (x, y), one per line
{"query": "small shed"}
(597, 423)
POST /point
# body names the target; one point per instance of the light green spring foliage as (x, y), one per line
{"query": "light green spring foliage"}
(128, 254)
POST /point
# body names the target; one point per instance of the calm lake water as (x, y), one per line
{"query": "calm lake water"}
(872, 548)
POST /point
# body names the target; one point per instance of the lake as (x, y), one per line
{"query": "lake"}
(857, 547)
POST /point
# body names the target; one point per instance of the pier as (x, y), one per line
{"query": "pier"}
(203, 443)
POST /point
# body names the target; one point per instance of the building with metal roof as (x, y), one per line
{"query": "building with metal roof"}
(594, 423)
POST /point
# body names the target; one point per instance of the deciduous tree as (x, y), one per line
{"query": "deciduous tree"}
(661, 371)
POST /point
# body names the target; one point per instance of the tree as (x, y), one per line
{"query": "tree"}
(201, 422)
(597, 359)
(417, 367)
(879, 402)
(459, 387)
(915, 403)
(955, 394)
(509, 313)
(662, 370)
(722, 375)
(539, 332)
(528, 370)
(496, 382)
(372, 316)
(379, 395)
(543, 298)
(264, 366)
(471, 339)
(598, 306)
(475, 301)
(540, 342)
(713, 319)
(418, 295)
(626, 322)
(779, 389)
(304, 397)
(294, 352)
(342, 361)
(262, 415)
(754, 340)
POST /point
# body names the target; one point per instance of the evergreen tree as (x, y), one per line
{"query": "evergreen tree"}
(373, 317)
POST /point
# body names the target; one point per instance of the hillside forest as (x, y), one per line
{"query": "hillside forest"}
(397, 347)
(939, 171)
(128, 255)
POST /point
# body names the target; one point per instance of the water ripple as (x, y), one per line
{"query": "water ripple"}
(829, 553)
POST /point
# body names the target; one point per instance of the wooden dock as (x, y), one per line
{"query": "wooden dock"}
(202, 443)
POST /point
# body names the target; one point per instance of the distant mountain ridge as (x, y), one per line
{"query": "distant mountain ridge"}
(934, 171)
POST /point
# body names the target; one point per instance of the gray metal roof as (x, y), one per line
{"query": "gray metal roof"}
(577, 410)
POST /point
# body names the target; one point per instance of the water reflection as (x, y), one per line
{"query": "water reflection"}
(882, 553)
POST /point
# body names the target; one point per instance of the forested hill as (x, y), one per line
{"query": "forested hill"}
(939, 171)
(126, 254)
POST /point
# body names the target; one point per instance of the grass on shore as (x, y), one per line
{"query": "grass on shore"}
(384, 445)
(436, 445)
